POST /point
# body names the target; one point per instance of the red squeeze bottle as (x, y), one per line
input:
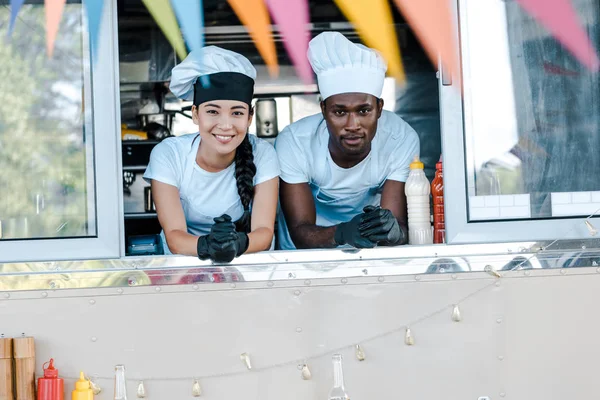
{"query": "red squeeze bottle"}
(50, 387)
(437, 192)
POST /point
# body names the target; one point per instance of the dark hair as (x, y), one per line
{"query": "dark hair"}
(244, 179)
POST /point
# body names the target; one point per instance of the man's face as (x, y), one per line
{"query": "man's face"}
(352, 122)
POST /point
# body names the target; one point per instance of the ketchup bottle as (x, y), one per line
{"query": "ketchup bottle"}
(437, 192)
(50, 387)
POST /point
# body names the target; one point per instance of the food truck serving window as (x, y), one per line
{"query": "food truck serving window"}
(524, 167)
(58, 141)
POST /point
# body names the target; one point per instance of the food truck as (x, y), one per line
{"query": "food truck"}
(503, 309)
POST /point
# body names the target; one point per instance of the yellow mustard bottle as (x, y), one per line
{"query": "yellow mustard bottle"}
(82, 391)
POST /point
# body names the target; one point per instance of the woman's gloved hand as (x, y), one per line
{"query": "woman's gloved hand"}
(349, 232)
(223, 243)
(380, 226)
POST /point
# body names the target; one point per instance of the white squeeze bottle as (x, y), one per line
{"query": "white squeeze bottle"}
(417, 191)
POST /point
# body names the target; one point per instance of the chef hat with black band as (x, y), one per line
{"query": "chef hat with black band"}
(345, 67)
(226, 75)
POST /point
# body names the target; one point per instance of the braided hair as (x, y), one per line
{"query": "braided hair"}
(245, 169)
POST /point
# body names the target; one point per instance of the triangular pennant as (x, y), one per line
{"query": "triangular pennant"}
(190, 14)
(432, 22)
(15, 7)
(292, 18)
(561, 20)
(54, 10)
(255, 16)
(373, 21)
(93, 10)
(164, 16)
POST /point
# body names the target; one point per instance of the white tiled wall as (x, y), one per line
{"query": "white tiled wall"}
(499, 207)
(575, 203)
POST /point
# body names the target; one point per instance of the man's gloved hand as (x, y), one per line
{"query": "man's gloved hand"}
(223, 243)
(349, 232)
(380, 226)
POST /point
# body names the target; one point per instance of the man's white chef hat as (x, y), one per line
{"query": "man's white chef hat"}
(231, 76)
(344, 67)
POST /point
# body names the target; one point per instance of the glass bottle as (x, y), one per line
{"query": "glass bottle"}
(120, 384)
(338, 392)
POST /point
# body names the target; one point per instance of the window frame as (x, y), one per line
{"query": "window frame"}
(456, 124)
(107, 189)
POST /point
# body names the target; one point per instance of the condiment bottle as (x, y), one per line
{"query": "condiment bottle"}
(6, 369)
(338, 392)
(437, 192)
(50, 386)
(417, 191)
(83, 390)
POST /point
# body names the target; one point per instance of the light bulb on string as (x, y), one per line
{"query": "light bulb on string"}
(409, 340)
(456, 316)
(359, 352)
(96, 389)
(246, 360)
(141, 390)
(306, 374)
(593, 231)
(492, 271)
(196, 389)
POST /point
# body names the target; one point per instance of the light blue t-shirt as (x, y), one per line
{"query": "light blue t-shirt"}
(342, 193)
(205, 195)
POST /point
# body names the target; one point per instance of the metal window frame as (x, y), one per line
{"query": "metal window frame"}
(456, 125)
(102, 76)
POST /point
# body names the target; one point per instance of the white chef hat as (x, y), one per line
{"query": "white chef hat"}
(231, 76)
(345, 67)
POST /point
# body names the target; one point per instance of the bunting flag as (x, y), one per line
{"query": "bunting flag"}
(432, 22)
(560, 18)
(164, 16)
(54, 10)
(292, 18)
(93, 10)
(15, 7)
(373, 21)
(190, 14)
(255, 16)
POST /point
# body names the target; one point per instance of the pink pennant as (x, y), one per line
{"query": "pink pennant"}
(292, 18)
(54, 10)
(560, 18)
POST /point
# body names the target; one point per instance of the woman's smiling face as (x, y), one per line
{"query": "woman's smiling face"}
(223, 124)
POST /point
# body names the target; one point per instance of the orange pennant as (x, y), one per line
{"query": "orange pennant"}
(255, 16)
(373, 21)
(432, 22)
(54, 10)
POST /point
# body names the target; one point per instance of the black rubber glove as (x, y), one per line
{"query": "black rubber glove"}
(349, 232)
(381, 227)
(223, 243)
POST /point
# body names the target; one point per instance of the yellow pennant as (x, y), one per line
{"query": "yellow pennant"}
(373, 21)
(255, 16)
(164, 16)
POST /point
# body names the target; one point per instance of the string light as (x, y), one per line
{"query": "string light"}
(141, 390)
(593, 231)
(409, 340)
(456, 317)
(246, 360)
(306, 374)
(196, 389)
(492, 271)
(359, 352)
(96, 389)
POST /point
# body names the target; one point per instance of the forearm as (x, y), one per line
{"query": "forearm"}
(181, 242)
(259, 240)
(310, 236)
